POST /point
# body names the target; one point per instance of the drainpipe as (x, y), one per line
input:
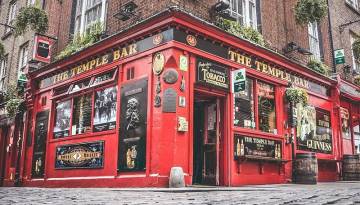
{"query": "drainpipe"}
(331, 39)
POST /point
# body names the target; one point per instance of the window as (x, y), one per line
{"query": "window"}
(89, 12)
(30, 2)
(23, 56)
(244, 11)
(356, 129)
(356, 62)
(353, 3)
(11, 16)
(247, 115)
(81, 117)
(3, 72)
(314, 42)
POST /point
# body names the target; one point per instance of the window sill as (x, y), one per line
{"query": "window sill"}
(81, 136)
(255, 133)
(6, 35)
(357, 11)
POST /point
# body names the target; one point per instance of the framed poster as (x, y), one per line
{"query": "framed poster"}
(256, 147)
(62, 119)
(84, 155)
(133, 118)
(105, 109)
(39, 151)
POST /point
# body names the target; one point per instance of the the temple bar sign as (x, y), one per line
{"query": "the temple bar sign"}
(339, 56)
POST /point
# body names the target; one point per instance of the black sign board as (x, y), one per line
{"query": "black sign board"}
(84, 155)
(133, 118)
(41, 129)
(257, 147)
(170, 97)
(212, 74)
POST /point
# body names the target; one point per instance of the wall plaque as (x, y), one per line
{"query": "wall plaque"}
(84, 155)
(170, 76)
(170, 98)
(39, 152)
(212, 74)
(133, 118)
(257, 147)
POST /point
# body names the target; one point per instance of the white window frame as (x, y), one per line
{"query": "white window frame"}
(81, 11)
(314, 40)
(353, 3)
(23, 56)
(3, 72)
(356, 63)
(11, 16)
(242, 15)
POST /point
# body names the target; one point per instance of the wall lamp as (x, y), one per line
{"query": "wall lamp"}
(221, 8)
(126, 11)
(290, 47)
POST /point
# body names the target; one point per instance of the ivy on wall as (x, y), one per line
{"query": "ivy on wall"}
(236, 29)
(308, 11)
(81, 41)
(33, 18)
(14, 103)
(318, 66)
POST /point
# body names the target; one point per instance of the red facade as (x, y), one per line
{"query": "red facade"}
(125, 111)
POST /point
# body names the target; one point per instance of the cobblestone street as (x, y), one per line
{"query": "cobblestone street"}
(323, 193)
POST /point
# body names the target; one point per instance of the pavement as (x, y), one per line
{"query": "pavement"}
(322, 193)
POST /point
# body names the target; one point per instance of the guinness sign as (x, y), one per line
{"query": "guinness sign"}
(212, 74)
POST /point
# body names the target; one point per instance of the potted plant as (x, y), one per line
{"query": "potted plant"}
(356, 49)
(318, 66)
(296, 95)
(31, 17)
(308, 11)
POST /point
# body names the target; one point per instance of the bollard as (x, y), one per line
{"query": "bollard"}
(176, 178)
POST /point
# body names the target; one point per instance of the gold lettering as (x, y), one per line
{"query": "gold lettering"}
(116, 55)
(105, 59)
(248, 62)
(124, 53)
(232, 55)
(92, 64)
(132, 49)
(272, 71)
(258, 65)
(98, 63)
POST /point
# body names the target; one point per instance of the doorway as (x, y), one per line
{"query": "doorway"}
(207, 140)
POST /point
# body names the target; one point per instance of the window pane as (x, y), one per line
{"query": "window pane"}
(356, 129)
(266, 107)
(62, 119)
(81, 121)
(105, 109)
(244, 107)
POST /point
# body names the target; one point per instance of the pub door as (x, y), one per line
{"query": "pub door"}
(207, 139)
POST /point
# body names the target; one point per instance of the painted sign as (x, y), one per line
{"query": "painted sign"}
(42, 49)
(212, 74)
(84, 155)
(238, 78)
(257, 147)
(313, 132)
(345, 124)
(339, 56)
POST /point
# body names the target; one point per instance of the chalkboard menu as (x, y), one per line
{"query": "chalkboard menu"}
(256, 147)
(133, 117)
(39, 152)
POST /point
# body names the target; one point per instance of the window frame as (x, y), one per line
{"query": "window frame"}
(353, 3)
(11, 16)
(80, 24)
(3, 71)
(23, 51)
(247, 20)
(255, 86)
(356, 63)
(314, 40)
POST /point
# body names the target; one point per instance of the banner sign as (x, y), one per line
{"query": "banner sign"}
(212, 74)
(257, 147)
(313, 132)
(84, 155)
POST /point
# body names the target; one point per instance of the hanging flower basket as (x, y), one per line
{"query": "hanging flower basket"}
(318, 66)
(296, 95)
(356, 49)
(357, 80)
(33, 18)
(308, 11)
(14, 103)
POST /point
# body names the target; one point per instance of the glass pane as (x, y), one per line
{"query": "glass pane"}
(62, 119)
(266, 108)
(244, 107)
(81, 121)
(233, 5)
(240, 7)
(105, 109)
(80, 85)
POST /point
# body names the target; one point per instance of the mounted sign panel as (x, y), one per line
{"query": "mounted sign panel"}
(238, 78)
(212, 74)
(339, 56)
(42, 49)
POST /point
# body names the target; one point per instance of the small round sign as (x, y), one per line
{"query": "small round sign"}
(157, 39)
(191, 40)
(170, 76)
(158, 63)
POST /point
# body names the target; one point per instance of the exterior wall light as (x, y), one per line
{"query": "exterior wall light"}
(126, 11)
(290, 47)
(221, 9)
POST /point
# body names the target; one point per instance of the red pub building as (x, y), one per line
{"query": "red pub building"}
(159, 95)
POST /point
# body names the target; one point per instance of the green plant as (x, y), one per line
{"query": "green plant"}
(13, 101)
(79, 42)
(236, 29)
(296, 95)
(308, 11)
(31, 17)
(318, 66)
(357, 80)
(356, 49)
(2, 51)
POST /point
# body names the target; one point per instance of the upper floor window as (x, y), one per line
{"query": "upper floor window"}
(89, 12)
(314, 42)
(244, 11)
(23, 55)
(353, 3)
(11, 16)
(3, 72)
(356, 62)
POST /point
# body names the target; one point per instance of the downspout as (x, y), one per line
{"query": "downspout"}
(331, 39)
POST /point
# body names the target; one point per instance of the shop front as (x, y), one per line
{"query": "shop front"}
(125, 111)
